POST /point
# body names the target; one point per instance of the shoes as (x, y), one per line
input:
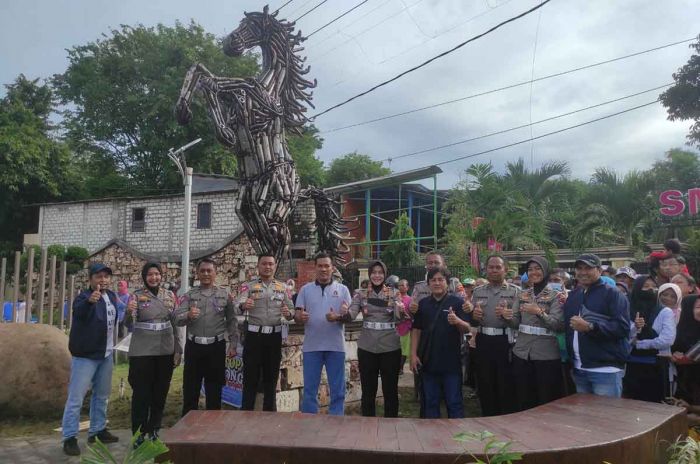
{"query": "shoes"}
(139, 440)
(104, 436)
(155, 436)
(70, 447)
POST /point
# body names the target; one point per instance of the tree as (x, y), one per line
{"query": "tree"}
(682, 100)
(120, 92)
(617, 206)
(353, 167)
(303, 149)
(401, 253)
(34, 166)
(680, 170)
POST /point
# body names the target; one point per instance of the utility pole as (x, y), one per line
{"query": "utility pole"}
(178, 157)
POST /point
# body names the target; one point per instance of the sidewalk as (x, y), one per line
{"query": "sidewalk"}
(47, 449)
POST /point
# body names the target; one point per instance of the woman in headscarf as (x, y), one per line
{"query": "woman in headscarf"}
(687, 337)
(653, 331)
(536, 357)
(153, 353)
(378, 348)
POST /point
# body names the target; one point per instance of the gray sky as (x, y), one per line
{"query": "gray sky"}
(384, 37)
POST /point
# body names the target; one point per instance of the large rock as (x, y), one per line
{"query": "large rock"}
(35, 365)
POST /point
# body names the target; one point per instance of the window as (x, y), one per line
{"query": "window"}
(138, 219)
(204, 216)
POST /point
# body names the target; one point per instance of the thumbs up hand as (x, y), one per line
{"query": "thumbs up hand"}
(452, 318)
(132, 306)
(332, 316)
(301, 316)
(639, 322)
(95, 295)
(344, 309)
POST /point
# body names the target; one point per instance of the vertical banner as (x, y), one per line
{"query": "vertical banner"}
(232, 393)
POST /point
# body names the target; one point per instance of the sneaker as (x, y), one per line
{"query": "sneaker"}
(139, 440)
(155, 436)
(104, 436)
(70, 447)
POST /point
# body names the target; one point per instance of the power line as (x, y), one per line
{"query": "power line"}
(507, 87)
(425, 63)
(337, 18)
(530, 139)
(309, 11)
(285, 4)
(522, 126)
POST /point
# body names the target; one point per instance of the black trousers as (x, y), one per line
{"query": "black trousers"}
(262, 354)
(149, 377)
(538, 382)
(208, 363)
(494, 375)
(371, 366)
(646, 382)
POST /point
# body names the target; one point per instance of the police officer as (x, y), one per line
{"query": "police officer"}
(494, 304)
(209, 313)
(265, 301)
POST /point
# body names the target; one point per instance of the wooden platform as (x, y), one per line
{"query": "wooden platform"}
(578, 429)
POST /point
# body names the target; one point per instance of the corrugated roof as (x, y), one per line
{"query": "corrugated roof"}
(385, 181)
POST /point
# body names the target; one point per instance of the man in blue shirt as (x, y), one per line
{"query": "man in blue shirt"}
(321, 306)
(597, 322)
(436, 339)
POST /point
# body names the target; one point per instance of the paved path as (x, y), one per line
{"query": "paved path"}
(47, 449)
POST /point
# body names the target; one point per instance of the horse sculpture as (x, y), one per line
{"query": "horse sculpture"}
(251, 117)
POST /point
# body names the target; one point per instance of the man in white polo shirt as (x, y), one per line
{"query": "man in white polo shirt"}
(320, 306)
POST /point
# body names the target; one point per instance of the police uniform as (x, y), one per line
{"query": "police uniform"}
(262, 341)
(205, 348)
(154, 340)
(494, 374)
(536, 356)
(379, 347)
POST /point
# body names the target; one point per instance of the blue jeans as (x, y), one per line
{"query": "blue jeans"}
(439, 386)
(599, 383)
(335, 370)
(84, 374)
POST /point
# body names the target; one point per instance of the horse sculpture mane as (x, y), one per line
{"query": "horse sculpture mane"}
(251, 117)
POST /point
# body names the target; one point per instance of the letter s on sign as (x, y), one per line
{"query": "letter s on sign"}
(672, 203)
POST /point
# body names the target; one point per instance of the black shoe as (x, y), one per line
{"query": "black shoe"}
(104, 436)
(139, 440)
(70, 447)
(155, 436)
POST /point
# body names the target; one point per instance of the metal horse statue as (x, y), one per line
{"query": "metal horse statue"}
(251, 117)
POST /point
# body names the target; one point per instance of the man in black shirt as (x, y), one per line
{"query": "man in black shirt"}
(436, 339)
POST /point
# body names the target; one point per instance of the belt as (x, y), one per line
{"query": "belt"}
(206, 340)
(379, 325)
(266, 329)
(494, 331)
(532, 330)
(155, 326)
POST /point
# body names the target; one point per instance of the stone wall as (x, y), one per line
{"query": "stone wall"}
(93, 224)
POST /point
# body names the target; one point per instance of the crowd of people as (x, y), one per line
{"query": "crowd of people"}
(518, 343)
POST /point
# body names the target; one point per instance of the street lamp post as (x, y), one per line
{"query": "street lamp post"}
(178, 157)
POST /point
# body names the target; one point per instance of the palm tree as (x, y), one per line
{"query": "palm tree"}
(618, 203)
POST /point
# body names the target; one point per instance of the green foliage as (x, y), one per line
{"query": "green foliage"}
(403, 253)
(680, 170)
(682, 100)
(146, 452)
(494, 451)
(353, 167)
(34, 166)
(303, 149)
(685, 451)
(24, 260)
(75, 256)
(59, 251)
(121, 91)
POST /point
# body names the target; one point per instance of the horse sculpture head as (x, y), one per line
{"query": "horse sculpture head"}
(279, 45)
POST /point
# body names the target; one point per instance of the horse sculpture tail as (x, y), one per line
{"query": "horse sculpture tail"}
(331, 230)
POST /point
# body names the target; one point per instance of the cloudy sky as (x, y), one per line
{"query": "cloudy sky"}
(384, 37)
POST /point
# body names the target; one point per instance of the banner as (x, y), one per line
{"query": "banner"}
(232, 393)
